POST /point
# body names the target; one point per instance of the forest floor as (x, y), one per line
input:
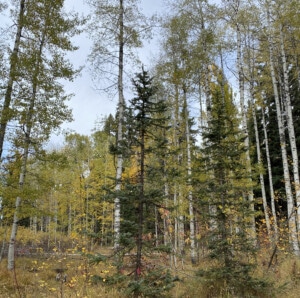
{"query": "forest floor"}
(71, 275)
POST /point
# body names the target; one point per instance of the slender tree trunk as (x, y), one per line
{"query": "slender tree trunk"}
(290, 125)
(190, 193)
(176, 196)
(69, 219)
(166, 216)
(269, 166)
(117, 211)
(12, 241)
(34, 224)
(211, 208)
(168, 228)
(251, 66)
(176, 229)
(27, 141)
(55, 217)
(3, 242)
(6, 112)
(245, 128)
(156, 226)
(259, 160)
(287, 181)
(139, 244)
(180, 230)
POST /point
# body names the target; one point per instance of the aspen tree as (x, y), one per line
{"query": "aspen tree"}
(170, 74)
(6, 112)
(292, 223)
(250, 59)
(200, 16)
(270, 175)
(117, 29)
(290, 124)
(40, 102)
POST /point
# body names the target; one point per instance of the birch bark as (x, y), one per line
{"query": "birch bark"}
(292, 223)
(269, 166)
(290, 125)
(189, 175)
(251, 66)
(261, 176)
(27, 141)
(117, 207)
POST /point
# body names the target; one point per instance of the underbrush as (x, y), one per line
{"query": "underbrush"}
(279, 279)
(55, 276)
(66, 271)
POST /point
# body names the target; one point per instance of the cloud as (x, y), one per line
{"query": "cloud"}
(88, 105)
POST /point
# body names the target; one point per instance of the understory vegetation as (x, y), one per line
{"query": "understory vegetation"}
(36, 273)
(64, 270)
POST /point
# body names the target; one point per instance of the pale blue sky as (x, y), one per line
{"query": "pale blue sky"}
(89, 105)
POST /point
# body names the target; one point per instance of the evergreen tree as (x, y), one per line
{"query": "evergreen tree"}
(226, 181)
(142, 190)
(148, 116)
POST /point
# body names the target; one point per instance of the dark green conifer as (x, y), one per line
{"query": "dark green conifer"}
(226, 181)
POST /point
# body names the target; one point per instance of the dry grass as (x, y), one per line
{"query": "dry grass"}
(35, 277)
(283, 276)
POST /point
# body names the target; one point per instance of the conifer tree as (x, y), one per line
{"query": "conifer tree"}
(148, 116)
(142, 191)
(226, 181)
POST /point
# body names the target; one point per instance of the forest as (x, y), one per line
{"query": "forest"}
(191, 188)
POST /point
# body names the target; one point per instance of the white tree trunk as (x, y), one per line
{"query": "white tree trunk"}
(117, 207)
(27, 141)
(261, 176)
(287, 181)
(269, 166)
(245, 129)
(13, 235)
(190, 194)
(290, 125)
(176, 233)
(251, 66)
(180, 223)
(166, 217)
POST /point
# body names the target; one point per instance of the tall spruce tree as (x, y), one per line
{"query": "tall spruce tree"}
(223, 154)
(142, 191)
